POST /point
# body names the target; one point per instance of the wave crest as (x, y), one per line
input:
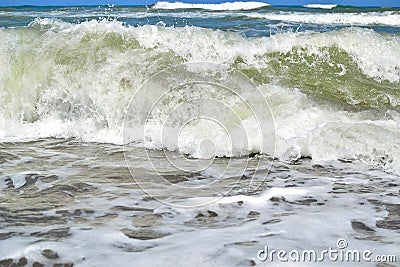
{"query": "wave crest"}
(222, 6)
(321, 6)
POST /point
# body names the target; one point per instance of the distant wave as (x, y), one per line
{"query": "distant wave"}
(387, 18)
(322, 6)
(221, 6)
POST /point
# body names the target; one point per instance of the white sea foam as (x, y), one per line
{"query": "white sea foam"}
(321, 6)
(388, 18)
(263, 199)
(222, 6)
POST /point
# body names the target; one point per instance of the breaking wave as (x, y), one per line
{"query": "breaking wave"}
(385, 18)
(222, 6)
(321, 6)
(333, 95)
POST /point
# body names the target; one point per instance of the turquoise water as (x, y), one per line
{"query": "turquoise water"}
(244, 22)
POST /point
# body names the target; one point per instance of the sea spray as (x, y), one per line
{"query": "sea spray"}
(76, 80)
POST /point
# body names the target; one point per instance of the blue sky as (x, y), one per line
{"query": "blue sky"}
(392, 3)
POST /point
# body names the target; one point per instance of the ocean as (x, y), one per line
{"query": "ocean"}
(180, 134)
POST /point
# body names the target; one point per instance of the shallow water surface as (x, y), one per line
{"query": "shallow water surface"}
(68, 202)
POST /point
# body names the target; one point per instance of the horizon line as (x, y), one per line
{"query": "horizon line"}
(146, 5)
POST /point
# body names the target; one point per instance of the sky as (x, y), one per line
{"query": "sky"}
(391, 3)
